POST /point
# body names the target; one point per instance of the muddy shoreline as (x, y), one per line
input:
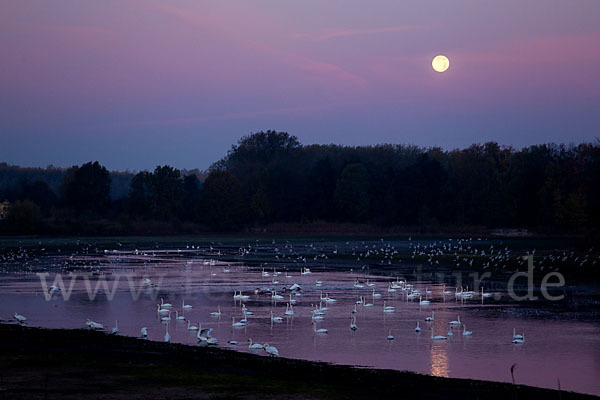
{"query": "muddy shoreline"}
(47, 364)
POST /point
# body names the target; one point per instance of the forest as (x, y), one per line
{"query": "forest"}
(270, 177)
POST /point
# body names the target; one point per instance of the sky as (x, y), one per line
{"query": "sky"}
(138, 83)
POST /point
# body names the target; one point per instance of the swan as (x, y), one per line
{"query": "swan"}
(275, 319)
(179, 317)
(358, 285)
(427, 291)
(519, 341)
(376, 295)
(167, 336)
(115, 330)
(167, 318)
(192, 327)
(161, 310)
(517, 335)
(289, 309)
(163, 304)
(391, 288)
(388, 309)
(353, 323)
(355, 310)
(446, 292)
(370, 284)
(237, 324)
(276, 296)
(430, 318)
(417, 328)
(320, 330)
(389, 336)
(216, 313)
(254, 346)
(144, 332)
(437, 337)
(20, 319)
(455, 322)
(423, 302)
(292, 301)
(365, 304)
(185, 306)
(329, 299)
(450, 333)
(94, 325)
(271, 350)
(466, 332)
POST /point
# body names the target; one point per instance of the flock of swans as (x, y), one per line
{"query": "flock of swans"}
(368, 294)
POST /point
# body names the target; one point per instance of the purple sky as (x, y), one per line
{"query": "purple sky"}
(138, 83)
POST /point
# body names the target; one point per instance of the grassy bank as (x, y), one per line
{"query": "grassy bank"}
(46, 364)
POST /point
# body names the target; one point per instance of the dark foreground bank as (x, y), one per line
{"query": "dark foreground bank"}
(77, 364)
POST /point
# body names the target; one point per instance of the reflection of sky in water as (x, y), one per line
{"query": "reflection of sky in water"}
(555, 348)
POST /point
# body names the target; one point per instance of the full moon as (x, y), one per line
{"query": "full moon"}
(440, 63)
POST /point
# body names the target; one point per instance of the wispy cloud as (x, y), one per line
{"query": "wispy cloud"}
(328, 72)
(231, 116)
(333, 33)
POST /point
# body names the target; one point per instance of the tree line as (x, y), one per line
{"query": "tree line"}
(270, 177)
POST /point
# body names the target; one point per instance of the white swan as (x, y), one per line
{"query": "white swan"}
(389, 336)
(517, 335)
(446, 292)
(163, 304)
(192, 327)
(216, 313)
(388, 309)
(437, 337)
(20, 319)
(466, 332)
(185, 306)
(95, 325)
(417, 328)
(355, 310)
(144, 332)
(275, 319)
(167, 318)
(320, 330)
(353, 325)
(271, 350)
(254, 346)
(115, 330)
(423, 302)
(519, 341)
(430, 318)
(161, 310)
(237, 324)
(450, 333)
(455, 322)
(276, 296)
(167, 336)
(179, 317)
(289, 309)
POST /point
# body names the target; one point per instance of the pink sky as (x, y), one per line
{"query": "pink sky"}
(138, 83)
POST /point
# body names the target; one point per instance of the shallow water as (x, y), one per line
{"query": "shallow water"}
(556, 349)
